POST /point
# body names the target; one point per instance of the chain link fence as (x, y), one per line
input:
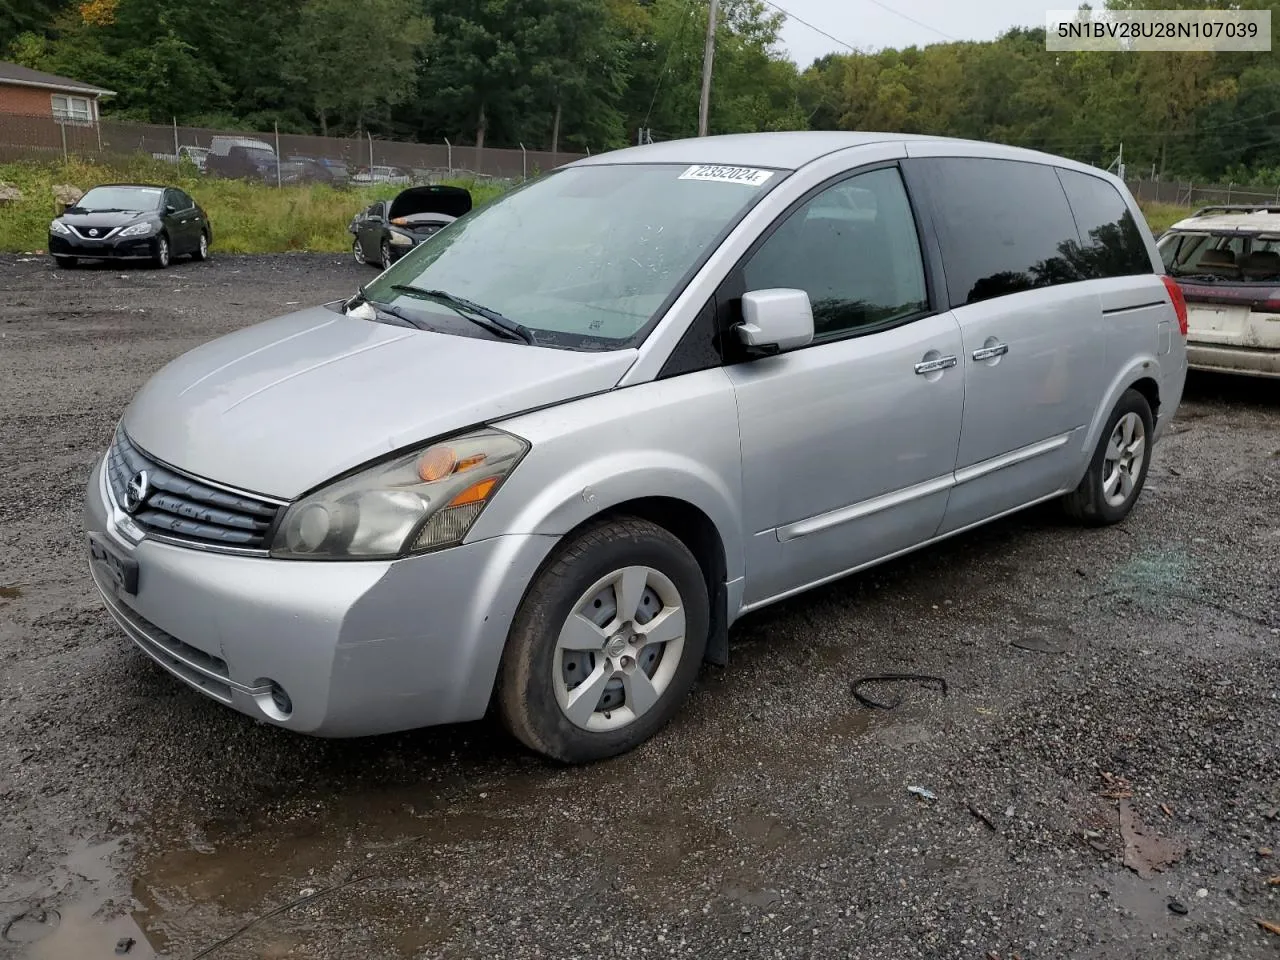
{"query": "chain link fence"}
(276, 158)
(1186, 193)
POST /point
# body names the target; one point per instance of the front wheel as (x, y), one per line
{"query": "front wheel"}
(161, 258)
(1118, 469)
(607, 643)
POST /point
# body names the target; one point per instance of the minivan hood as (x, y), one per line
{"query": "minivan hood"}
(280, 407)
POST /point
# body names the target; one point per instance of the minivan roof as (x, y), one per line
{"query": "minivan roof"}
(792, 149)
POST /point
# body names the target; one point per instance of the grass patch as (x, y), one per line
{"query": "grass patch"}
(246, 217)
(1161, 216)
(253, 217)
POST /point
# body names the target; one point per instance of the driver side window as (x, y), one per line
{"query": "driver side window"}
(853, 248)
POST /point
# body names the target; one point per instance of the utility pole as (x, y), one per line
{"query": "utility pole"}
(708, 55)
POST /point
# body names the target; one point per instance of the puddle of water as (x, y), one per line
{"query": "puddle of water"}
(73, 914)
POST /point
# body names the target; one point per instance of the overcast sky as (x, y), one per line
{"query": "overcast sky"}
(869, 26)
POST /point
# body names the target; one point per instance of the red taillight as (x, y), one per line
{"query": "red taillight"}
(1179, 302)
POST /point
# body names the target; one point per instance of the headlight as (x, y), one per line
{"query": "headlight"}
(401, 239)
(418, 502)
(57, 226)
(137, 230)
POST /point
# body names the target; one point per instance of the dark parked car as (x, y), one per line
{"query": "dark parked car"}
(128, 221)
(387, 230)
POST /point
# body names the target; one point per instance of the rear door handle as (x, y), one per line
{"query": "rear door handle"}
(990, 353)
(933, 366)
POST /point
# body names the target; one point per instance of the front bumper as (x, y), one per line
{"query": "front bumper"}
(130, 248)
(360, 647)
(1252, 361)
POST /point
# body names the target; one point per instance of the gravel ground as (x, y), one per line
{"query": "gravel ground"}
(1093, 678)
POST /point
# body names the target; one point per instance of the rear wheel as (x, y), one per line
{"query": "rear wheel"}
(386, 253)
(357, 251)
(161, 257)
(606, 644)
(1118, 469)
(202, 251)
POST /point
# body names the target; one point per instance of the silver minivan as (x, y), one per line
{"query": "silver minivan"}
(541, 464)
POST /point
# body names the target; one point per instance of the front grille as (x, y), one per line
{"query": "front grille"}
(184, 508)
(102, 234)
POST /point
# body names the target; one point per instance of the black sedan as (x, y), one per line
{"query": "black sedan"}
(131, 221)
(385, 231)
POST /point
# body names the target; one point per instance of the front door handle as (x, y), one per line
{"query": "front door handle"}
(933, 366)
(991, 352)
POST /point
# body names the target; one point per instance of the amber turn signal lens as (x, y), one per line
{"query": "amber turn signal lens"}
(476, 493)
(466, 463)
(436, 464)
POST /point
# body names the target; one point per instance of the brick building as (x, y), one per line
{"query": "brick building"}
(29, 93)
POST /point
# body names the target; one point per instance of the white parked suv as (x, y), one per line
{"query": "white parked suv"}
(1226, 259)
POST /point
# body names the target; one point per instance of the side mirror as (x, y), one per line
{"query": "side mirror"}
(170, 208)
(773, 320)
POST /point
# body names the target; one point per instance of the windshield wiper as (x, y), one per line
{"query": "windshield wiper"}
(471, 311)
(387, 310)
(1209, 277)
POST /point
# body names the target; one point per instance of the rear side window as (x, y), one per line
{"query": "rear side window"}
(1111, 244)
(1005, 226)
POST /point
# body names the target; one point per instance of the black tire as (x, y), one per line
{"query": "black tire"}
(357, 251)
(525, 693)
(385, 253)
(201, 252)
(1088, 502)
(164, 252)
(67, 263)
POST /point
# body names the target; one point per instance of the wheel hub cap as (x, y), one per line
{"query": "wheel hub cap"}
(619, 649)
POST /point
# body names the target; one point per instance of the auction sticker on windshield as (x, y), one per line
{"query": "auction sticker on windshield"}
(717, 174)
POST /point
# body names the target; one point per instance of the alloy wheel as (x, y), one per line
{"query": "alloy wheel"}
(1123, 460)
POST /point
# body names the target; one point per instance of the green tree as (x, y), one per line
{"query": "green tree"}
(354, 61)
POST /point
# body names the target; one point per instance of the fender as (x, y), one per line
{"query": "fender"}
(1143, 366)
(675, 438)
(600, 484)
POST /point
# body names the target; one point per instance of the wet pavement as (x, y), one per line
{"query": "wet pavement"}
(1089, 674)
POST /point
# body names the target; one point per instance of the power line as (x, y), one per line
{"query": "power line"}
(918, 23)
(792, 16)
(666, 64)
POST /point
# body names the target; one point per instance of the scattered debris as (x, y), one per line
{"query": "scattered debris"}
(124, 945)
(9, 193)
(922, 792)
(1039, 643)
(1274, 881)
(1145, 851)
(1164, 808)
(1202, 893)
(31, 926)
(982, 816)
(1178, 908)
(1270, 927)
(1119, 787)
(1265, 851)
(922, 679)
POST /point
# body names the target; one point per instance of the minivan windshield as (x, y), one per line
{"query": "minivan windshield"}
(120, 198)
(585, 257)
